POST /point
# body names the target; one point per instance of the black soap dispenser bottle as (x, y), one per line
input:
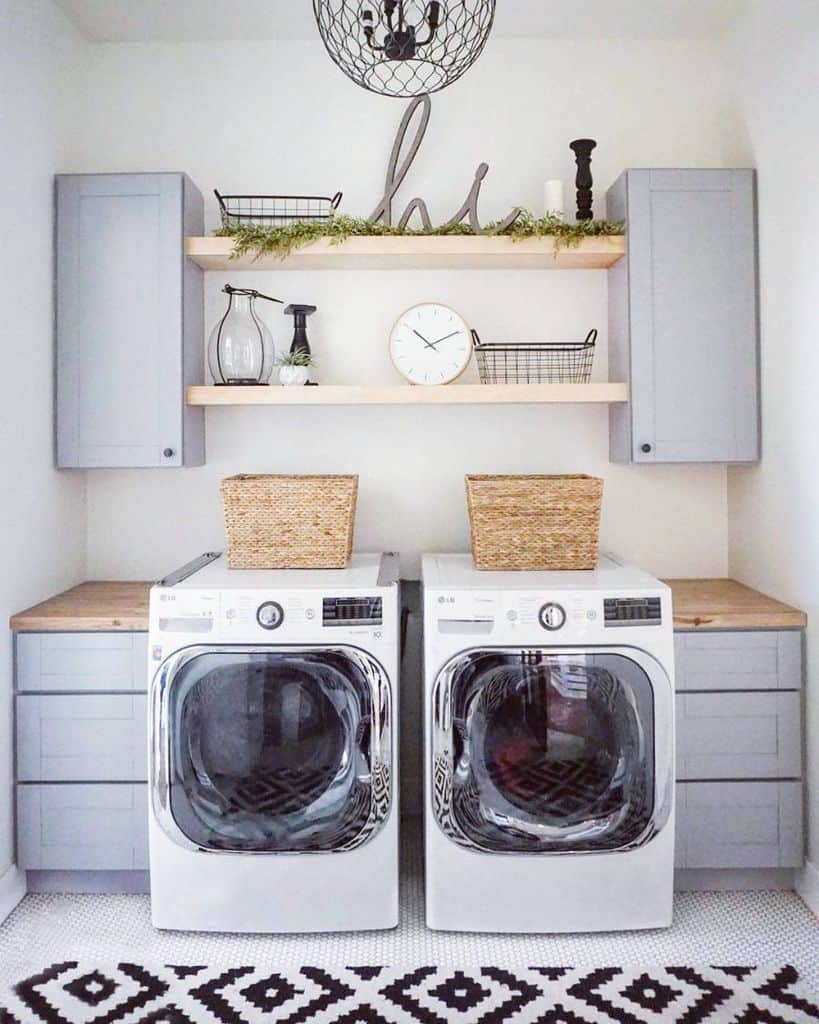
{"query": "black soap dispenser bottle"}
(300, 312)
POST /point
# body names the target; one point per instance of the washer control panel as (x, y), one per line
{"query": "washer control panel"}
(270, 615)
(552, 616)
(632, 611)
(352, 611)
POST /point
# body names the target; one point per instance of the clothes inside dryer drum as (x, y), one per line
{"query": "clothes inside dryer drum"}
(552, 753)
(270, 751)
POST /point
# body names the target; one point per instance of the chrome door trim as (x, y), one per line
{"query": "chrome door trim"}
(442, 771)
(160, 740)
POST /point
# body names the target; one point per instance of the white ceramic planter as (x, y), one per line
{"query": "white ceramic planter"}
(291, 376)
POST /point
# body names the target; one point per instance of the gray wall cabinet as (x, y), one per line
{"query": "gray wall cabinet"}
(82, 750)
(683, 317)
(739, 749)
(129, 321)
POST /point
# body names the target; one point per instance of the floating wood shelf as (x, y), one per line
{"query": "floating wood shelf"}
(431, 252)
(406, 394)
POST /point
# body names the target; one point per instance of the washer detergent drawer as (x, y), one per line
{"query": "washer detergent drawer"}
(757, 660)
(81, 661)
(82, 737)
(82, 827)
(738, 736)
(739, 825)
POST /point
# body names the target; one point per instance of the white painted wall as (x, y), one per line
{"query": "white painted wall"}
(42, 540)
(279, 117)
(774, 507)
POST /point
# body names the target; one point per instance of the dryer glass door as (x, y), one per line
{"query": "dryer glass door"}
(545, 752)
(275, 750)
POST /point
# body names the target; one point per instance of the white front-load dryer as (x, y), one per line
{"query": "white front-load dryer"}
(273, 749)
(549, 749)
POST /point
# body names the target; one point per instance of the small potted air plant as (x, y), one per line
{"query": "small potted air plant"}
(294, 367)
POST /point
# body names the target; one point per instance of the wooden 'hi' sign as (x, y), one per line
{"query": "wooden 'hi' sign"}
(396, 175)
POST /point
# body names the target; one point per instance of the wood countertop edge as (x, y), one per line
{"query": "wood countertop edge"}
(94, 606)
(24, 623)
(122, 606)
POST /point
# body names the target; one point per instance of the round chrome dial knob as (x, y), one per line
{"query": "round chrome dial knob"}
(552, 616)
(270, 615)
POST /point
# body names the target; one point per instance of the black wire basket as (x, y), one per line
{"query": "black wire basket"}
(537, 362)
(274, 211)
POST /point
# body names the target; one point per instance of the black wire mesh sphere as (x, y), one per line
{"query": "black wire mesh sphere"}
(404, 48)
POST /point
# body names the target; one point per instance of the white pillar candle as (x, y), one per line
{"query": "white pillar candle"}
(553, 197)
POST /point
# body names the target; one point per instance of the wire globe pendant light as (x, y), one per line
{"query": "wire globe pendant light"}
(404, 48)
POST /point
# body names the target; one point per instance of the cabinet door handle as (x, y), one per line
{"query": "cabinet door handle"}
(645, 448)
(169, 453)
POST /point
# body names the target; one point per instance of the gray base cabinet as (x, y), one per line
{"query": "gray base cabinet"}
(129, 321)
(82, 828)
(739, 750)
(683, 321)
(739, 825)
(81, 760)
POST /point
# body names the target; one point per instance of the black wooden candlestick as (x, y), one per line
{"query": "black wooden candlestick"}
(582, 149)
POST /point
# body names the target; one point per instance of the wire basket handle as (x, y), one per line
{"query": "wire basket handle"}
(336, 200)
(476, 339)
(590, 338)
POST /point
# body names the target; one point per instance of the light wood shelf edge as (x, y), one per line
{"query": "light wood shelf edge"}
(453, 394)
(417, 252)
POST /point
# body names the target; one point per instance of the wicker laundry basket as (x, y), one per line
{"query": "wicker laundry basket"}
(534, 522)
(289, 522)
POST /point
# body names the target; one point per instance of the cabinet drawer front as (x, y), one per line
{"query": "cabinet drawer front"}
(739, 825)
(757, 660)
(738, 736)
(82, 738)
(82, 828)
(82, 661)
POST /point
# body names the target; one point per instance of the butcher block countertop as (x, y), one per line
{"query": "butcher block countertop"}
(726, 604)
(103, 606)
(112, 606)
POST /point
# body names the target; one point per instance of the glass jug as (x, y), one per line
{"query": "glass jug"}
(241, 348)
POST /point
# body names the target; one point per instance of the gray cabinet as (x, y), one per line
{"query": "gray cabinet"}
(739, 825)
(734, 660)
(82, 828)
(82, 737)
(129, 321)
(81, 724)
(739, 749)
(755, 735)
(683, 320)
(78, 662)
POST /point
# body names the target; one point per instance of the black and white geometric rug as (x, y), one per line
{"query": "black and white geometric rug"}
(87, 993)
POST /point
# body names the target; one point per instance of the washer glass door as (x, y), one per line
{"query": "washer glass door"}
(547, 752)
(274, 750)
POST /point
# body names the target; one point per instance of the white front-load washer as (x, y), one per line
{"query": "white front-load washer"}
(549, 749)
(273, 749)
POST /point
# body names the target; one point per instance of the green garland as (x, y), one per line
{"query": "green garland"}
(281, 241)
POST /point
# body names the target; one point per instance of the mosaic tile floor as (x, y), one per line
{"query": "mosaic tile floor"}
(709, 928)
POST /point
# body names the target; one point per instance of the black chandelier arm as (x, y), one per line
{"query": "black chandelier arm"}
(433, 20)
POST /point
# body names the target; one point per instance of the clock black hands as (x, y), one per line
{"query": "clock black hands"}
(428, 344)
(446, 337)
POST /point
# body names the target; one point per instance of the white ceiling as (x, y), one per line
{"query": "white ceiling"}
(194, 20)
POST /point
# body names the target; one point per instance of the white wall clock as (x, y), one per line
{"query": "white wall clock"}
(430, 344)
